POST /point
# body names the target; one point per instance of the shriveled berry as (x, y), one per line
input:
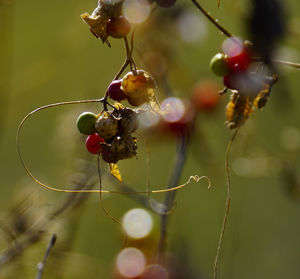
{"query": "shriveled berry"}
(109, 157)
(136, 102)
(129, 121)
(93, 143)
(118, 145)
(165, 3)
(125, 147)
(139, 87)
(118, 27)
(86, 123)
(106, 126)
(115, 92)
(219, 65)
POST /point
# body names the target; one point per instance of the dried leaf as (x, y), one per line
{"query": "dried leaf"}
(238, 110)
(98, 19)
(115, 172)
(263, 96)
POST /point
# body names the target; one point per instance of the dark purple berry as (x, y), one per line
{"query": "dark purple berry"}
(115, 92)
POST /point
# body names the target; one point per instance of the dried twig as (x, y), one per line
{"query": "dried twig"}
(41, 265)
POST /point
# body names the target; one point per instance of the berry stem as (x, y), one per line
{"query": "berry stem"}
(104, 99)
(213, 20)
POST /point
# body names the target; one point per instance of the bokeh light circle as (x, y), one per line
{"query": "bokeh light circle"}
(131, 262)
(148, 119)
(173, 109)
(137, 223)
(136, 11)
(233, 46)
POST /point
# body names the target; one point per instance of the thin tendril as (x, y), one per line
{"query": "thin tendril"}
(102, 205)
(195, 177)
(227, 204)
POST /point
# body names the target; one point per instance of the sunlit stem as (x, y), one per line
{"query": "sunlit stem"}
(211, 19)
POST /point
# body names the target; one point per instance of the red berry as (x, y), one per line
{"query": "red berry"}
(115, 92)
(93, 143)
(118, 27)
(239, 62)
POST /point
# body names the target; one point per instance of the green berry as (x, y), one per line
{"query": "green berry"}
(86, 123)
(219, 65)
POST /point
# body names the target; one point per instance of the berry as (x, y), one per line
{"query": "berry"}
(109, 157)
(86, 123)
(117, 27)
(165, 3)
(106, 126)
(93, 143)
(115, 92)
(239, 62)
(219, 65)
(136, 102)
(139, 87)
(118, 145)
(229, 81)
(129, 121)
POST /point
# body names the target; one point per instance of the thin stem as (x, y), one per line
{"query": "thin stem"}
(282, 62)
(117, 76)
(170, 196)
(227, 205)
(102, 205)
(210, 18)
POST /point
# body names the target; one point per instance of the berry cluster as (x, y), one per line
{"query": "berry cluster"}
(250, 87)
(110, 133)
(233, 64)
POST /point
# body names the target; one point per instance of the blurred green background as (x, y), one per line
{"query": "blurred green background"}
(48, 55)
